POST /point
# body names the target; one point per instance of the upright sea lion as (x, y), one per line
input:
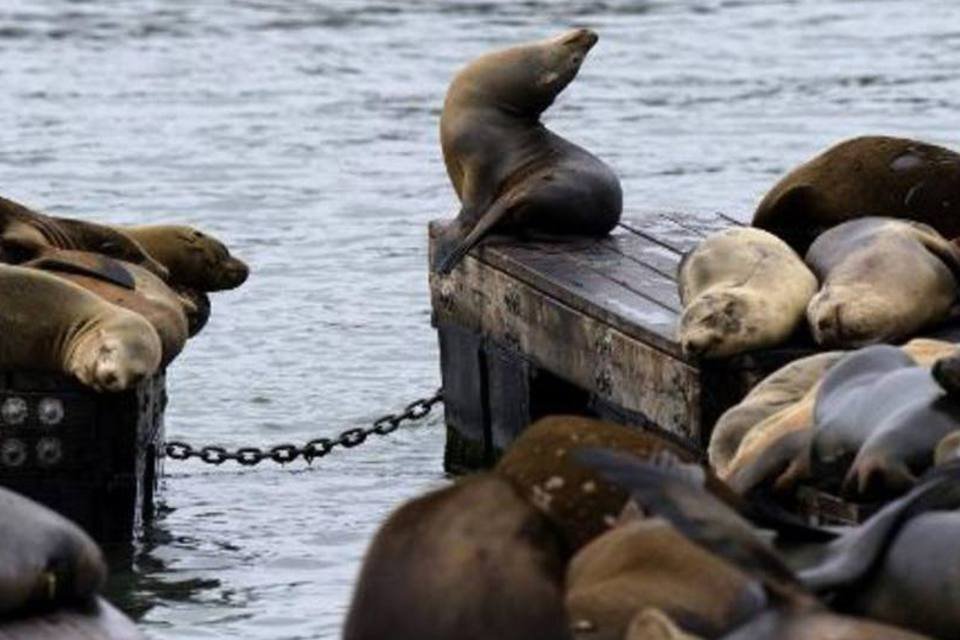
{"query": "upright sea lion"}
(647, 564)
(468, 562)
(741, 289)
(195, 259)
(150, 296)
(45, 559)
(510, 172)
(870, 175)
(882, 281)
(49, 324)
(25, 234)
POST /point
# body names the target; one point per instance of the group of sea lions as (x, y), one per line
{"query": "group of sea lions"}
(106, 305)
(590, 530)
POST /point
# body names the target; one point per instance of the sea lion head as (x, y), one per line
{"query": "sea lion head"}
(851, 319)
(117, 356)
(216, 268)
(714, 325)
(524, 80)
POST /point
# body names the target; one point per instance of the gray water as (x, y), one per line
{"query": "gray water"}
(304, 134)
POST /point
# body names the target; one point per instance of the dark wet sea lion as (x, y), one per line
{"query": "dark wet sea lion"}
(511, 173)
(45, 559)
(472, 561)
(882, 280)
(869, 175)
(195, 259)
(150, 296)
(25, 234)
(49, 324)
(742, 289)
(647, 564)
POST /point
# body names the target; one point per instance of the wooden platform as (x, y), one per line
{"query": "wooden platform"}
(584, 326)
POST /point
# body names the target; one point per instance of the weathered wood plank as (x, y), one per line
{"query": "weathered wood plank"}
(588, 349)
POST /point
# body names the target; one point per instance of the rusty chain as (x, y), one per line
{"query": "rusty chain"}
(316, 448)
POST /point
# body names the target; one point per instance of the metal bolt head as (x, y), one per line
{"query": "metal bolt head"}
(49, 451)
(50, 411)
(14, 410)
(13, 452)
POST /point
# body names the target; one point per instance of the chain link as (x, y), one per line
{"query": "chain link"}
(316, 448)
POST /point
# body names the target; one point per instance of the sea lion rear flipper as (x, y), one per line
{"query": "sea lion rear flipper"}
(674, 491)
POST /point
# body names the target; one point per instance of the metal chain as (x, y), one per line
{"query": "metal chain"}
(317, 448)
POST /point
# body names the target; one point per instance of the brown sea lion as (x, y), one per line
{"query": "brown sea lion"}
(742, 289)
(25, 234)
(882, 280)
(150, 296)
(98, 620)
(195, 259)
(49, 324)
(782, 388)
(471, 561)
(870, 175)
(45, 559)
(581, 503)
(511, 173)
(652, 624)
(647, 564)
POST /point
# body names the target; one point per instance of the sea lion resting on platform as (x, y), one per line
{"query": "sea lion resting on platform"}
(46, 560)
(647, 564)
(882, 280)
(25, 234)
(145, 294)
(472, 560)
(195, 259)
(49, 324)
(870, 175)
(510, 172)
(742, 289)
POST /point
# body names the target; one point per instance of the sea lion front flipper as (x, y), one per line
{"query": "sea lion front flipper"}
(500, 207)
(85, 264)
(675, 492)
(946, 251)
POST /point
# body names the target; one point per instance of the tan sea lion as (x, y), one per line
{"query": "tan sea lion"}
(882, 281)
(540, 464)
(150, 296)
(784, 387)
(468, 562)
(511, 173)
(49, 324)
(25, 234)
(45, 560)
(742, 289)
(195, 259)
(647, 564)
(869, 175)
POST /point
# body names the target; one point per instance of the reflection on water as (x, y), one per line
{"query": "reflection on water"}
(305, 134)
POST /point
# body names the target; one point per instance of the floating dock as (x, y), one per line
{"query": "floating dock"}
(586, 326)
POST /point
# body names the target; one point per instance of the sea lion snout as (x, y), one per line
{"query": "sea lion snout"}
(582, 39)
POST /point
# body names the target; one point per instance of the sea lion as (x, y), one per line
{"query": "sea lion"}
(869, 175)
(98, 620)
(674, 491)
(45, 560)
(198, 308)
(652, 624)
(150, 296)
(511, 173)
(882, 280)
(49, 324)
(582, 504)
(742, 289)
(647, 564)
(467, 562)
(195, 259)
(948, 449)
(784, 387)
(25, 234)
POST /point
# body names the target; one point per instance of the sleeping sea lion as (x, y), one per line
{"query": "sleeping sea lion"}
(646, 563)
(25, 234)
(742, 289)
(195, 259)
(511, 173)
(150, 296)
(870, 175)
(467, 562)
(49, 324)
(882, 280)
(46, 560)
